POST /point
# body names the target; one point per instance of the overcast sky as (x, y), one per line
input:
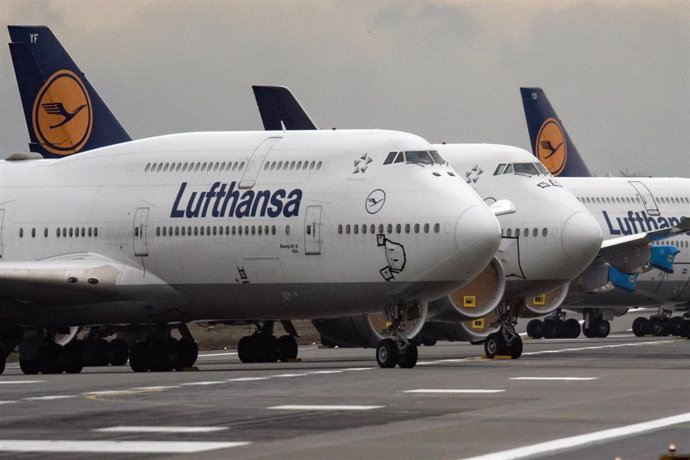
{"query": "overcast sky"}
(617, 72)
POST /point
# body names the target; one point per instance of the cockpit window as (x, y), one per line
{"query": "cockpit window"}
(499, 169)
(389, 158)
(526, 168)
(529, 169)
(418, 157)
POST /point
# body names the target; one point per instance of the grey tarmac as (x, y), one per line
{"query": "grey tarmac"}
(336, 403)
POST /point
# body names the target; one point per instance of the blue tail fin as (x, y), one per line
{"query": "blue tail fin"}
(549, 139)
(280, 110)
(64, 114)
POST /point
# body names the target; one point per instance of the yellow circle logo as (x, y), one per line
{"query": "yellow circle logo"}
(62, 114)
(551, 148)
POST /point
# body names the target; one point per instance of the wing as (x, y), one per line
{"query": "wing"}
(71, 280)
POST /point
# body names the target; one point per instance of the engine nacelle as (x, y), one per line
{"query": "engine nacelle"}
(629, 260)
(465, 331)
(364, 331)
(543, 304)
(474, 300)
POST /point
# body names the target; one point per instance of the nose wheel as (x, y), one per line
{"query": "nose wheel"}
(506, 341)
(397, 350)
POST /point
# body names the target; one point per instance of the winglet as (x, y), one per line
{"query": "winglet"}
(280, 110)
(549, 140)
(64, 114)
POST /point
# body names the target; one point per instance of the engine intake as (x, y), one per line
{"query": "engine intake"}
(543, 304)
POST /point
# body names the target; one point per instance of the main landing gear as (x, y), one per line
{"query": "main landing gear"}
(397, 350)
(554, 327)
(264, 347)
(662, 324)
(504, 342)
(39, 353)
(595, 325)
(161, 352)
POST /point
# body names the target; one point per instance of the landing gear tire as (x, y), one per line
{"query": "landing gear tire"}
(387, 355)
(97, 352)
(138, 359)
(118, 352)
(245, 348)
(516, 347)
(676, 325)
(29, 366)
(74, 357)
(50, 359)
(408, 357)
(603, 328)
(159, 354)
(287, 348)
(657, 327)
(428, 341)
(591, 331)
(685, 329)
(571, 328)
(494, 345)
(185, 353)
(535, 329)
(552, 328)
(640, 327)
(2, 362)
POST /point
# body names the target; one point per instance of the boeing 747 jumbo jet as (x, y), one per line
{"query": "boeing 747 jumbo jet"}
(548, 239)
(232, 226)
(624, 206)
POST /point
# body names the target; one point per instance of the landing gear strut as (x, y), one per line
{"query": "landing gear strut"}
(505, 341)
(161, 352)
(397, 350)
(264, 347)
(662, 324)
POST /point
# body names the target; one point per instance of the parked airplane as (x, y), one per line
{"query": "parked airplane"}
(232, 226)
(546, 243)
(660, 276)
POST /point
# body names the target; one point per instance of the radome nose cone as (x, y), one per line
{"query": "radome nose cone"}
(477, 235)
(581, 237)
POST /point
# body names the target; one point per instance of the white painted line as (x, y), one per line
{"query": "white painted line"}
(599, 347)
(145, 447)
(325, 372)
(452, 391)
(109, 393)
(555, 378)
(50, 398)
(247, 379)
(308, 407)
(280, 376)
(156, 388)
(358, 369)
(584, 439)
(161, 429)
(19, 382)
(7, 402)
(208, 382)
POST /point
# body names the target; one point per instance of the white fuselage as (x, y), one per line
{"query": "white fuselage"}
(629, 205)
(550, 239)
(234, 226)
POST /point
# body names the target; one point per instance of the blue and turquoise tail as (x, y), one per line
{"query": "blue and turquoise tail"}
(63, 112)
(280, 110)
(549, 140)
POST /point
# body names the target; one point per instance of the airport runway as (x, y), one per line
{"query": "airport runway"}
(562, 399)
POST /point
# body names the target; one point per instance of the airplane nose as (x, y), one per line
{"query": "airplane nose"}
(477, 235)
(581, 237)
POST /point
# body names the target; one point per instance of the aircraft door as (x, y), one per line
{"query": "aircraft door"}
(312, 231)
(2, 227)
(251, 172)
(141, 218)
(647, 198)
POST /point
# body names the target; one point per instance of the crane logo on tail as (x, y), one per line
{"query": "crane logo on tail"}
(62, 114)
(550, 146)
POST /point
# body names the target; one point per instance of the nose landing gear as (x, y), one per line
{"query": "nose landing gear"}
(397, 350)
(506, 341)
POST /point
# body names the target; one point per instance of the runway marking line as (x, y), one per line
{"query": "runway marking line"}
(323, 407)
(452, 391)
(160, 429)
(282, 376)
(585, 439)
(598, 347)
(111, 447)
(556, 378)
(19, 382)
(8, 402)
(246, 379)
(50, 397)
(204, 383)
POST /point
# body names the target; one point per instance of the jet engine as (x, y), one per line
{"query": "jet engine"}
(474, 300)
(543, 304)
(465, 331)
